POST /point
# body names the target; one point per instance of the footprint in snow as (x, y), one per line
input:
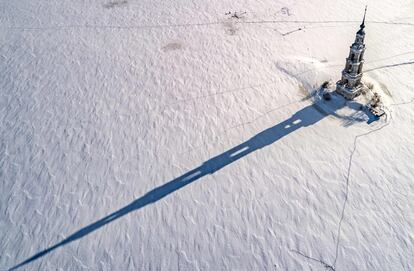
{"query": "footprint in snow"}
(172, 46)
(114, 4)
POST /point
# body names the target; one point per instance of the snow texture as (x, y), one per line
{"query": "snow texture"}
(188, 135)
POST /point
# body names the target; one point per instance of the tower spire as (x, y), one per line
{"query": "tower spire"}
(363, 21)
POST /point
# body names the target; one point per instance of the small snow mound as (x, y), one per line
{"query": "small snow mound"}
(308, 72)
(377, 87)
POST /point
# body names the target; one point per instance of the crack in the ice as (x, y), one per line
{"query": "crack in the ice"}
(322, 22)
(347, 187)
(244, 123)
(355, 144)
(391, 66)
(332, 267)
(264, 114)
(218, 93)
(160, 26)
(403, 103)
(326, 265)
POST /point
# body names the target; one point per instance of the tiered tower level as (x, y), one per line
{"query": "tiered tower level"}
(350, 85)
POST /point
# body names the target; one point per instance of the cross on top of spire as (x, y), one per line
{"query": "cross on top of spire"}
(363, 21)
(361, 31)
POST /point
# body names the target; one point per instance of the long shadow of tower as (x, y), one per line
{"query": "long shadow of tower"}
(303, 118)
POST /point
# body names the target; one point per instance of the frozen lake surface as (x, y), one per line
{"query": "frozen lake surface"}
(181, 135)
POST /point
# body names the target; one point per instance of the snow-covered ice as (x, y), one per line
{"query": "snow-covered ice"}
(180, 135)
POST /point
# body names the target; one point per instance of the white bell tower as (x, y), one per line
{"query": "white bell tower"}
(350, 85)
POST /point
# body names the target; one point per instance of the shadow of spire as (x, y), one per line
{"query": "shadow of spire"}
(303, 118)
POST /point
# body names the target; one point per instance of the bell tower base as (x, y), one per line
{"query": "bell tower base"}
(349, 93)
